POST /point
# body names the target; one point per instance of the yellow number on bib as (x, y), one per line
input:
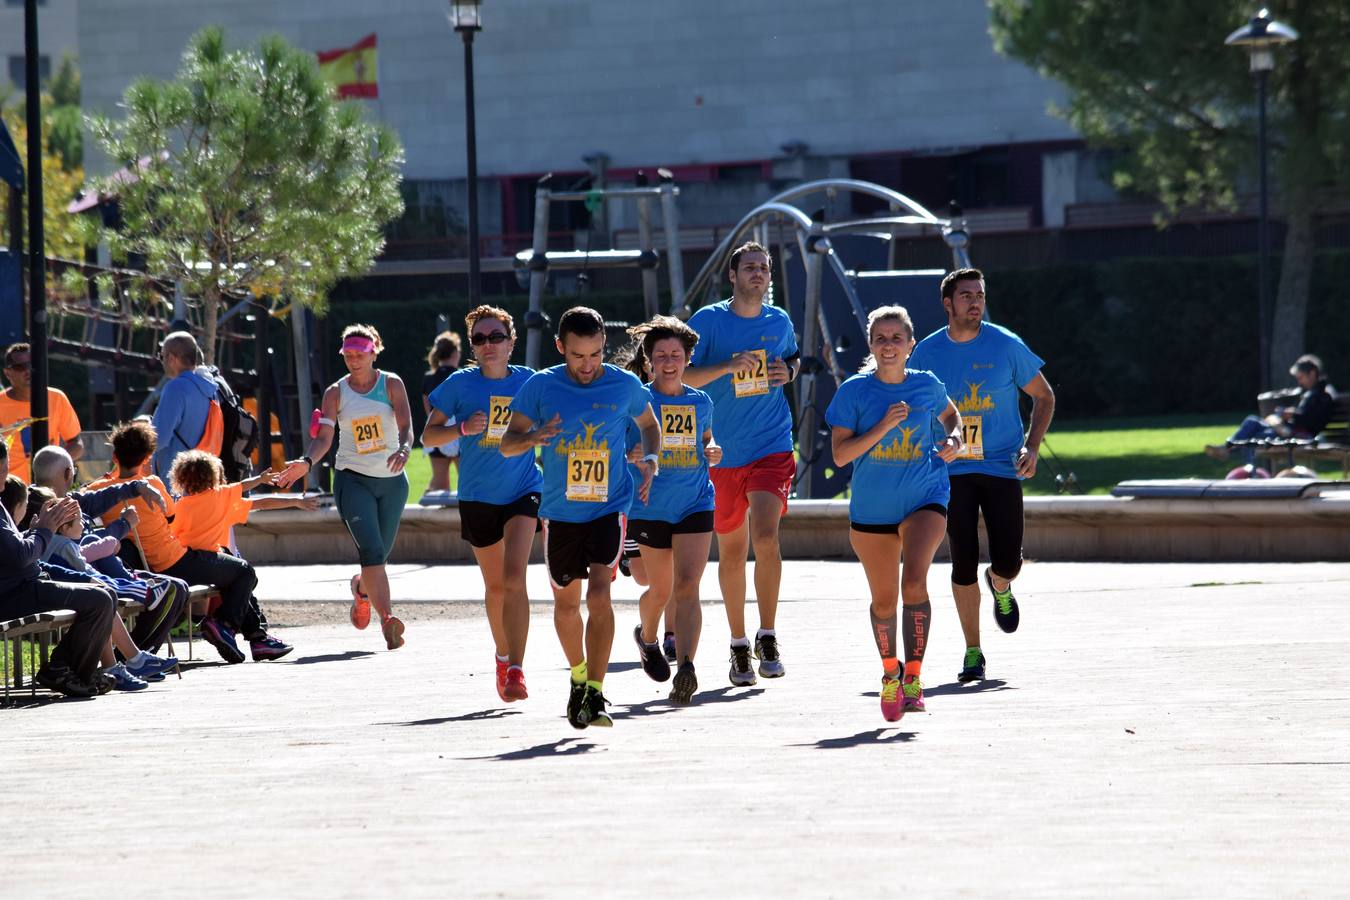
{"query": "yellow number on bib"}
(499, 416)
(369, 434)
(756, 381)
(677, 428)
(972, 435)
(588, 475)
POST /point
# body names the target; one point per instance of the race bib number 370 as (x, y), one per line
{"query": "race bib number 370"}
(756, 381)
(588, 476)
(369, 434)
(972, 435)
(499, 416)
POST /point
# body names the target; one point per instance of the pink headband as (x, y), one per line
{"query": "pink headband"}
(359, 343)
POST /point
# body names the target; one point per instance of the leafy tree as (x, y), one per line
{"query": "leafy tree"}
(63, 232)
(251, 176)
(1154, 79)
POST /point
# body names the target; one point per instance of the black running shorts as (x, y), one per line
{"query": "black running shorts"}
(571, 548)
(484, 524)
(656, 534)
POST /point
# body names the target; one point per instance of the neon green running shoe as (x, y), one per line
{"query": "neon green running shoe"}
(973, 667)
(913, 690)
(1006, 614)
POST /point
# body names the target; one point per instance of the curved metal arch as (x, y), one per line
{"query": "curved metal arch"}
(765, 212)
(858, 187)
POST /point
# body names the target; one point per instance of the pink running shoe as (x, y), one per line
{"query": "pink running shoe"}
(501, 680)
(360, 604)
(913, 691)
(515, 685)
(892, 703)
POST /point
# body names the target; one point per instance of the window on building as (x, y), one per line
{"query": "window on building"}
(20, 2)
(18, 72)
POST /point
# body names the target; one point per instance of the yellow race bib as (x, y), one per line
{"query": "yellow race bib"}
(756, 381)
(972, 435)
(588, 475)
(499, 416)
(368, 432)
(678, 429)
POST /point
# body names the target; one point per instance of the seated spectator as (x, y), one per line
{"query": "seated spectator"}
(72, 668)
(67, 560)
(1307, 419)
(54, 469)
(205, 510)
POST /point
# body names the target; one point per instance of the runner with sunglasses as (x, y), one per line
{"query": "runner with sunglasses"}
(498, 496)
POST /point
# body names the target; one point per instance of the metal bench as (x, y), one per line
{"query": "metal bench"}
(1332, 443)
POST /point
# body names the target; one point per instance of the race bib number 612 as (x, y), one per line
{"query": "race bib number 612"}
(756, 381)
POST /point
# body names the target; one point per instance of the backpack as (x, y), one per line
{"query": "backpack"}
(231, 432)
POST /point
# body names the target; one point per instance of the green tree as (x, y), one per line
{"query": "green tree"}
(1154, 80)
(252, 177)
(63, 232)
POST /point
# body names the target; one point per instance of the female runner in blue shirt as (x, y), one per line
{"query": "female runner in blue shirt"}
(899, 429)
(674, 526)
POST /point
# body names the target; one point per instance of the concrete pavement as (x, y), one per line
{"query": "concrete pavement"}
(1151, 730)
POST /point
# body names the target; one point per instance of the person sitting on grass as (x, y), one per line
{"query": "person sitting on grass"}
(207, 508)
(66, 559)
(72, 668)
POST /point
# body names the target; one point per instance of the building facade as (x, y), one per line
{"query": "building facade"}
(57, 37)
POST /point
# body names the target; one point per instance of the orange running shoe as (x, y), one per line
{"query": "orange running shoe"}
(515, 685)
(360, 604)
(502, 666)
(393, 632)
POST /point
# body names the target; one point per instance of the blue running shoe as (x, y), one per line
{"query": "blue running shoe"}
(124, 680)
(147, 665)
(973, 667)
(222, 638)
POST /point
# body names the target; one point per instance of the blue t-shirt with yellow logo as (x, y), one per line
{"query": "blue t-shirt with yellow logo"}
(682, 488)
(984, 377)
(751, 419)
(485, 476)
(902, 471)
(585, 473)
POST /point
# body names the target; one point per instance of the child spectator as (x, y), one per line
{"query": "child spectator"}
(206, 509)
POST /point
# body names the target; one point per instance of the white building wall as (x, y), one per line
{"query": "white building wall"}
(648, 82)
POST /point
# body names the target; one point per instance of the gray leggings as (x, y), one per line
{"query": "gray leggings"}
(371, 508)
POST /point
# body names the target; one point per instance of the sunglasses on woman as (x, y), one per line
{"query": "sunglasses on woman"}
(497, 337)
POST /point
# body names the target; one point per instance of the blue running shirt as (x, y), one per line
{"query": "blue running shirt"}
(984, 377)
(485, 476)
(758, 422)
(683, 487)
(902, 471)
(585, 473)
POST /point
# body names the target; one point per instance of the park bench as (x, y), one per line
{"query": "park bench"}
(1333, 442)
(44, 629)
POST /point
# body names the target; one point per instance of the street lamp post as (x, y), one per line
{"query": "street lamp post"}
(466, 16)
(1260, 36)
(37, 256)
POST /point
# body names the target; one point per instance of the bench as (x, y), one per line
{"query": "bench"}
(1332, 443)
(39, 628)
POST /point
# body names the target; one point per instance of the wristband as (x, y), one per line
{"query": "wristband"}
(307, 461)
(461, 429)
(655, 460)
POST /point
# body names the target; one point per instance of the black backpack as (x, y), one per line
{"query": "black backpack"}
(240, 432)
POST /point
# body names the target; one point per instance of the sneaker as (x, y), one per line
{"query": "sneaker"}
(625, 567)
(222, 638)
(268, 647)
(686, 682)
(741, 672)
(393, 632)
(973, 668)
(668, 646)
(502, 666)
(913, 691)
(63, 680)
(576, 704)
(148, 665)
(515, 685)
(103, 683)
(593, 709)
(124, 680)
(155, 592)
(1217, 451)
(1006, 615)
(653, 660)
(766, 651)
(892, 705)
(360, 613)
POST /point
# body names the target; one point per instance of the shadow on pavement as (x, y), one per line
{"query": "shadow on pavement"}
(481, 715)
(563, 747)
(30, 701)
(661, 705)
(861, 739)
(956, 687)
(332, 657)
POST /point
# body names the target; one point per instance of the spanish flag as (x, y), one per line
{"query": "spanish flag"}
(351, 70)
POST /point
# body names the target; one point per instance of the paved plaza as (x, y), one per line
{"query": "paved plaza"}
(1151, 730)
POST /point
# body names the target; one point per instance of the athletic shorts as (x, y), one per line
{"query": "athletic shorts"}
(772, 474)
(446, 451)
(894, 527)
(630, 546)
(656, 534)
(571, 548)
(484, 524)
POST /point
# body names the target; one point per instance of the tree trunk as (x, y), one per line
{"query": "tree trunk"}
(1290, 330)
(211, 303)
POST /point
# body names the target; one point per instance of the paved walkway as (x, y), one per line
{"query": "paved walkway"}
(1152, 730)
